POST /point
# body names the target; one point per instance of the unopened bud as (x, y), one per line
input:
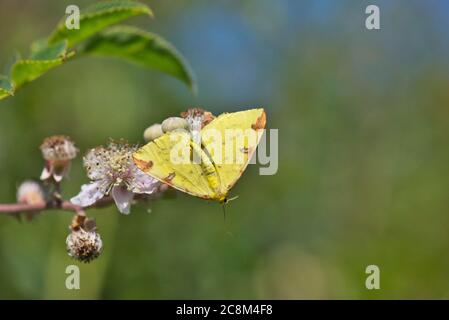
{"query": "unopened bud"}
(153, 132)
(30, 192)
(174, 123)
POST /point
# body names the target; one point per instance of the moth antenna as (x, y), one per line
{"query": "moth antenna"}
(223, 205)
(224, 212)
(233, 198)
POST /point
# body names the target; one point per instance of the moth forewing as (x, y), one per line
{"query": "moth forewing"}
(212, 141)
(239, 143)
(180, 153)
(260, 141)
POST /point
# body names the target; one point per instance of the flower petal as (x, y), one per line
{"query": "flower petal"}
(45, 173)
(94, 162)
(143, 183)
(90, 193)
(61, 171)
(122, 198)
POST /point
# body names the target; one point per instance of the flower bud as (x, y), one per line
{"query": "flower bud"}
(174, 123)
(153, 132)
(83, 245)
(30, 192)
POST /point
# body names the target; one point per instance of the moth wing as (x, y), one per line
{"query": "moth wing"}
(161, 159)
(240, 134)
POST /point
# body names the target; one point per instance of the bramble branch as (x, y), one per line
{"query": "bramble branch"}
(114, 179)
(64, 206)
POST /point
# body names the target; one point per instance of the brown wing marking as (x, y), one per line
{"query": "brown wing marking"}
(260, 122)
(143, 165)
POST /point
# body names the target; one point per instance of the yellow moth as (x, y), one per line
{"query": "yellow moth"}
(210, 166)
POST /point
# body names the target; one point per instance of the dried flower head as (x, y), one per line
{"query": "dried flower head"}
(83, 242)
(58, 148)
(58, 151)
(197, 118)
(112, 171)
(84, 245)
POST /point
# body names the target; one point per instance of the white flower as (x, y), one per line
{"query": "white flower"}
(58, 151)
(112, 171)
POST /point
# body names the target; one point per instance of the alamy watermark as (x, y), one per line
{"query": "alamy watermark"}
(72, 282)
(372, 282)
(233, 146)
(72, 22)
(372, 22)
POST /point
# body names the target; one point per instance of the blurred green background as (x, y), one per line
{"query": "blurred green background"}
(363, 119)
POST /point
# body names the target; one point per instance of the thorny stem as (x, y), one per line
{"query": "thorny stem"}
(56, 202)
(57, 196)
(63, 205)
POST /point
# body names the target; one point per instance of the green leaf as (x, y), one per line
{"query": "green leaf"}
(96, 18)
(141, 47)
(10, 62)
(5, 87)
(41, 50)
(42, 59)
(27, 70)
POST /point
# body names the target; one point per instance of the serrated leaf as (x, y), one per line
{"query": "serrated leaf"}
(96, 18)
(27, 70)
(130, 43)
(141, 47)
(42, 59)
(5, 87)
(10, 62)
(41, 50)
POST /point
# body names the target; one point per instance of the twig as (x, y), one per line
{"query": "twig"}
(64, 205)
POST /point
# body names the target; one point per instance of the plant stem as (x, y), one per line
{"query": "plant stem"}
(63, 205)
